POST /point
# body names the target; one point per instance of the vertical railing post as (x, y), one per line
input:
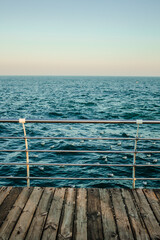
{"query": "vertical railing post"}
(22, 120)
(134, 156)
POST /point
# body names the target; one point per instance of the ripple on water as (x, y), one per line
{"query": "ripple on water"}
(80, 98)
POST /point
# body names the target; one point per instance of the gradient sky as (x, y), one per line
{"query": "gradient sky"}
(87, 37)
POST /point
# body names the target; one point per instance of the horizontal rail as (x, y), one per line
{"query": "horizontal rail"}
(81, 121)
(84, 138)
(72, 178)
(75, 151)
(67, 121)
(83, 164)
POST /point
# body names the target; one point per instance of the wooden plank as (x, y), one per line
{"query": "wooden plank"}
(95, 230)
(2, 188)
(14, 214)
(154, 202)
(137, 224)
(157, 192)
(36, 228)
(51, 227)
(24, 221)
(147, 214)
(80, 232)
(109, 226)
(8, 203)
(65, 231)
(123, 224)
(4, 193)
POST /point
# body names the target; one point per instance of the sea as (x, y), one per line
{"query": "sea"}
(72, 98)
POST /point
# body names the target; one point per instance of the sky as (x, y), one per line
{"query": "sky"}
(87, 37)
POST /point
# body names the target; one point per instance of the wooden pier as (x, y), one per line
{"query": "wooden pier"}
(69, 213)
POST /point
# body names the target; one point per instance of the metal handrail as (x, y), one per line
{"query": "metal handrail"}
(76, 151)
(84, 138)
(72, 178)
(80, 121)
(134, 152)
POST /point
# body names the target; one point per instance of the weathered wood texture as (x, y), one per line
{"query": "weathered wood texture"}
(80, 214)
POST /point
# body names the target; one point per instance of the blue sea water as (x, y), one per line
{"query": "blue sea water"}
(69, 97)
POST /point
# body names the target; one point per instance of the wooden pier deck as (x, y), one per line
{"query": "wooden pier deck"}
(69, 213)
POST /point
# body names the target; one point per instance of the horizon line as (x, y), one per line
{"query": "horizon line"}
(67, 75)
